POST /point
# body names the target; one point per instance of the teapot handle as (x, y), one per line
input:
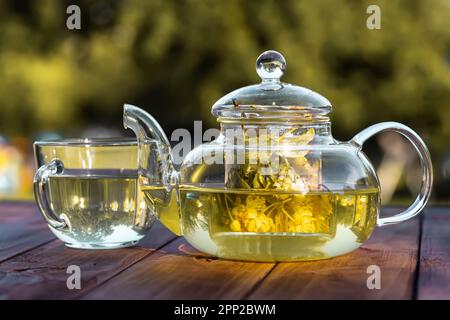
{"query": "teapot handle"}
(40, 181)
(425, 160)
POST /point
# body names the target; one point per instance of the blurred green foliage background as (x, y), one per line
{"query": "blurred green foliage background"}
(176, 58)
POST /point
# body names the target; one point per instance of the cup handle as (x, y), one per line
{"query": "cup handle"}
(425, 160)
(40, 181)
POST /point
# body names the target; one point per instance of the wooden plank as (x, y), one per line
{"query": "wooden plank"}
(158, 236)
(21, 228)
(178, 271)
(434, 267)
(392, 248)
(41, 273)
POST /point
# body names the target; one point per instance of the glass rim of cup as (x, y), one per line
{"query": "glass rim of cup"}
(120, 141)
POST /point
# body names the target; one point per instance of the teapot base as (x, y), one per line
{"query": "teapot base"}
(285, 247)
(276, 247)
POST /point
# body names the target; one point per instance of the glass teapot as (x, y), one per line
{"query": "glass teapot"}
(274, 185)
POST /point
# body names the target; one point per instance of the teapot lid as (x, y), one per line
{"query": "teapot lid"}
(271, 98)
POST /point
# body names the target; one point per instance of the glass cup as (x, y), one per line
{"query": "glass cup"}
(87, 191)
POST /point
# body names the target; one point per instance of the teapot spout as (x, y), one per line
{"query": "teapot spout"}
(155, 154)
(158, 179)
(143, 125)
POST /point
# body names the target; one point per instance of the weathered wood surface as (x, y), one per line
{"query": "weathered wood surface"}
(434, 276)
(177, 271)
(392, 248)
(21, 228)
(41, 273)
(33, 265)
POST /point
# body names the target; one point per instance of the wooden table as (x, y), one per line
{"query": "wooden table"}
(414, 259)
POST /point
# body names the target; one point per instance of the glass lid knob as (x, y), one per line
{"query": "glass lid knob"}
(270, 66)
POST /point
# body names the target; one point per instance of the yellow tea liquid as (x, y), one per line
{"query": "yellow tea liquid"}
(268, 225)
(101, 210)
